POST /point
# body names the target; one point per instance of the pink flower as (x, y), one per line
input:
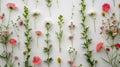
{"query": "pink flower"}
(36, 60)
(106, 7)
(16, 57)
(99, 46)
(20, 22)
(73, 65)
(117, 45)
(70, 37)
(12, 6)
(70, 61)
(2, 16)
(12, 41)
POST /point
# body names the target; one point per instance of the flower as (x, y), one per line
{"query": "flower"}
(12, 41)
(99, 46)
(117, 45)
(16, 57)
(36, 60)
(106, 7)
(70, 37)
(36, 13)
(59, 59)
(103, 13)
(119, 5)
(73, 65)
(91, 13)
(71, 26)
(70, 61)
(5, 32)
(2, 16)
(20, 22)
(11, 6)
(107, 49)
(38, 32)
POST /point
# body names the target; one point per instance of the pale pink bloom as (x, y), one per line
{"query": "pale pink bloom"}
(73, 65)
(12, 6)
(70, 61)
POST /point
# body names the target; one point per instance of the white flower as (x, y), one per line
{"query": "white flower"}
(91, 13)
(36, 12)
(48, 19)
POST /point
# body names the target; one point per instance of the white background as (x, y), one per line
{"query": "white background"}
(65, 8)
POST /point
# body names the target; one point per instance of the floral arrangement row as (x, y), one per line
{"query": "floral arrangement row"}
(109, 30)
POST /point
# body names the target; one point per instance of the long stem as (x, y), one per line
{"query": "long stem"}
(58, 3)
(94, 24)
(114, 2)
(9, 18)
(35, 22)
(49, 11)
(36, 3)
(59, 46)
(93, 1)
(0, 6)
(37, 40)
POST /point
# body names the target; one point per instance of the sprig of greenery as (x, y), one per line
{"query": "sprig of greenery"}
(87, 40)
(60, 33)
(47, 49)
(28, 37)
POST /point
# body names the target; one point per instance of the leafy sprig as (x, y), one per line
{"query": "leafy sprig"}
(85, 37)
(60, 33)
(48, 48)
(28, 37)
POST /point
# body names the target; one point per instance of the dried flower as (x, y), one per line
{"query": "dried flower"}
(11, 6)
(106, 7)
(38, 32)
(36, 60)
(24, 52)
(59, 59)
(12, 41)
(99, 46)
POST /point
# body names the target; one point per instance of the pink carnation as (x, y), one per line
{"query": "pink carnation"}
(12, 6)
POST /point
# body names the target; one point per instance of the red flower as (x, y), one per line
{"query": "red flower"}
(99, 46)
(36, 60)
(12, 6)
(106, 7)
(107, 49)
(70, 37)
(12, 41)
(117, 45)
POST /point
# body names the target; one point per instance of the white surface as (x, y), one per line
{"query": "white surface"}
(65, 8)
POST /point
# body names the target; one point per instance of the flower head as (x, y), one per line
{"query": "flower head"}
(103, 14)
(99, 46)
(16, 57)
(11, 6)
(106, 7)
(107, 49)
(70, 61)
(117, 45)
(59, 59)
(119, 5)
(36, 13)
(20, 22)
(2, 16)
(73, 65)
(70, 37)
(12, 41)
(71, 26)
(91, 13)
(36, 60)
(38, 32)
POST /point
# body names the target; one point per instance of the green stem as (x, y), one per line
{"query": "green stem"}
(9, 18)
(35, 22)
(36, 3)
(58, 3)
(37, 40)
(49, 11)
(94, 24)
(93, 1)
(59, 46)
